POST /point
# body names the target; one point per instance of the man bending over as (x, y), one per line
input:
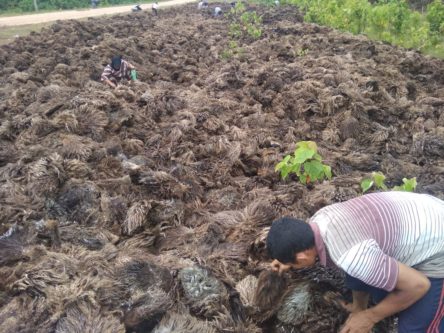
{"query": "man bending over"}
(390, 246)
(117, 70)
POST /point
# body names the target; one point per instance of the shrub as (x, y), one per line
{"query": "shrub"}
(435, 17)
(389, 20)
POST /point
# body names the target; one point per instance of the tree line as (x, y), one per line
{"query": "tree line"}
(33, 5)
(390, 20)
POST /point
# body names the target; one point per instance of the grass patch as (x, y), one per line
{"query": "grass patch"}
(436, 52)
(18, 12)
(8, 34)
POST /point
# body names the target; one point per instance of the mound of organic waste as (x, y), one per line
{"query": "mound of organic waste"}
(145, 208)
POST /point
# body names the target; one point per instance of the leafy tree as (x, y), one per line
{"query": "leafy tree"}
(31, 5)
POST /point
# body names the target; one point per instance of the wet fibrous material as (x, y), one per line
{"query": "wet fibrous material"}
(146, 208)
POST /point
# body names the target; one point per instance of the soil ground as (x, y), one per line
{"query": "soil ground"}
(8, 34)
(145, 208)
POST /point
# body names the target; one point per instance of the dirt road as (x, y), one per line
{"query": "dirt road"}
(77, 14)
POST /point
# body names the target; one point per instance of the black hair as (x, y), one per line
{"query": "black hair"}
(116, 61)
(288, 236)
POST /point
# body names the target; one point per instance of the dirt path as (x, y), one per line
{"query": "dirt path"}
(77, 14)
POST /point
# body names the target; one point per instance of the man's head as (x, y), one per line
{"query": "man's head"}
(116, 61)
(291, 242)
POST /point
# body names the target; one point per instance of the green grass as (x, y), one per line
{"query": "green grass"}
(7, 34)
(437, 52)
(19, 12)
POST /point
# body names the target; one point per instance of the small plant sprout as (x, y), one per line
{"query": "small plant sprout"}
(378, 182)
(302, 52)
(408, 185)
(306, 163)
(244, 23)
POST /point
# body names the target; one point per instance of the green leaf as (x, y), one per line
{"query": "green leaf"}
(311, 145)
(366, 184)
(327, 171)
(408, 186)
(399, 188)
(303, 179)
(296, 168)
(379, 180)
(284, 173)
(314, 169)
(279, 166)
(282, 163)
(303, 154)
(317, 157)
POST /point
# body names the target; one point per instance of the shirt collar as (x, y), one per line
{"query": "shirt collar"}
(319, 244)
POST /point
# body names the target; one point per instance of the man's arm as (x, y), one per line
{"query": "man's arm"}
(411, 285)
(105, 76)
(110, 83)
(129, 68)
(360, 302)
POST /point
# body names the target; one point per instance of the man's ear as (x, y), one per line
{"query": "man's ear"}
(301, 256)
(306, 255)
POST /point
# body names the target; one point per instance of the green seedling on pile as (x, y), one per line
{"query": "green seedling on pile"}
(302, 52)
(306, 163)
(409, 185)
(244, 23)
(377, 181)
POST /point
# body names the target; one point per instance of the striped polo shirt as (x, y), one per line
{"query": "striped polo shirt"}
(123, 72)
(368, 235)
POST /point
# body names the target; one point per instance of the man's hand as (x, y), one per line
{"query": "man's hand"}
(279, 267)
(358, 322)
(111, 84)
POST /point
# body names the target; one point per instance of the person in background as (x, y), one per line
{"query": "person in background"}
(136, 8)
(390, 246)
(200, 5)
(117, 70)
(217, 11)
(154, 8)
